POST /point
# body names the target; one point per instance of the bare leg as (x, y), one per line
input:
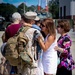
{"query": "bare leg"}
(47, 74)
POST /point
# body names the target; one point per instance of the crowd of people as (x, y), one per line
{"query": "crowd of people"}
(49, 48)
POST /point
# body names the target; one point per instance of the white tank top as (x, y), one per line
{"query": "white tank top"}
(50, 52)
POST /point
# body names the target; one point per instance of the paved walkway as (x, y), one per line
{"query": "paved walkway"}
(72, 35)
(1, 32)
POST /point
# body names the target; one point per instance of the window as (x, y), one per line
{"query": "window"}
(64, 12)
(61, 12)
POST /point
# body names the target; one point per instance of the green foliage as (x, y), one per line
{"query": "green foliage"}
(21, 7)
(54, 8)
(7, 9)
(32, 8)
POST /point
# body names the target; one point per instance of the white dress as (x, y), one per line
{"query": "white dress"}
(40, 66)
(49, 59)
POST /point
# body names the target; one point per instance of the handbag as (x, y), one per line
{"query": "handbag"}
(29, 56)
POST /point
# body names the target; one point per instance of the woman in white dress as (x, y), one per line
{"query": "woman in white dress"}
(49, 57)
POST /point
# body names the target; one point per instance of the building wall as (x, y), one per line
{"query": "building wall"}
(69, 7)
(66, 3)
(72, 7)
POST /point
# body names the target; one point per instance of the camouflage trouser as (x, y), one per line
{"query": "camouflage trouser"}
(5, 68)
(27, 70)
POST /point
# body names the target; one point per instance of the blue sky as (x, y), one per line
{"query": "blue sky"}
(28, 2)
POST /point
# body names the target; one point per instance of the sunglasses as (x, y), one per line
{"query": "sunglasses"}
(43, 25)
(59, 26)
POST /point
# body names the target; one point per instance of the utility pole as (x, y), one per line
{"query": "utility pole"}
(72, 10)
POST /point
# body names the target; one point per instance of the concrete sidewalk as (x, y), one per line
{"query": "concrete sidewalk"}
(1, 32)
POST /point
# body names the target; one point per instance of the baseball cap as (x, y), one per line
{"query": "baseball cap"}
(37, 18)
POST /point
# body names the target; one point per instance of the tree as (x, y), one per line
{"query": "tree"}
(32, 8)
(20, 8)
(54, 8)
(6, 10)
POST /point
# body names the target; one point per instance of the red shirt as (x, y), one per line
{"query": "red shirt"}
(11, 30)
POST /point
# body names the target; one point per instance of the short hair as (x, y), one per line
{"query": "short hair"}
(16, 16)
(65, 24)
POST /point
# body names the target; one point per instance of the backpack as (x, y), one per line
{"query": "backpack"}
(29, 54)
(15, 45)
(16, 49)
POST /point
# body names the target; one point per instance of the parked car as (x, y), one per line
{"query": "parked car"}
(2, 19)
(4, 26)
